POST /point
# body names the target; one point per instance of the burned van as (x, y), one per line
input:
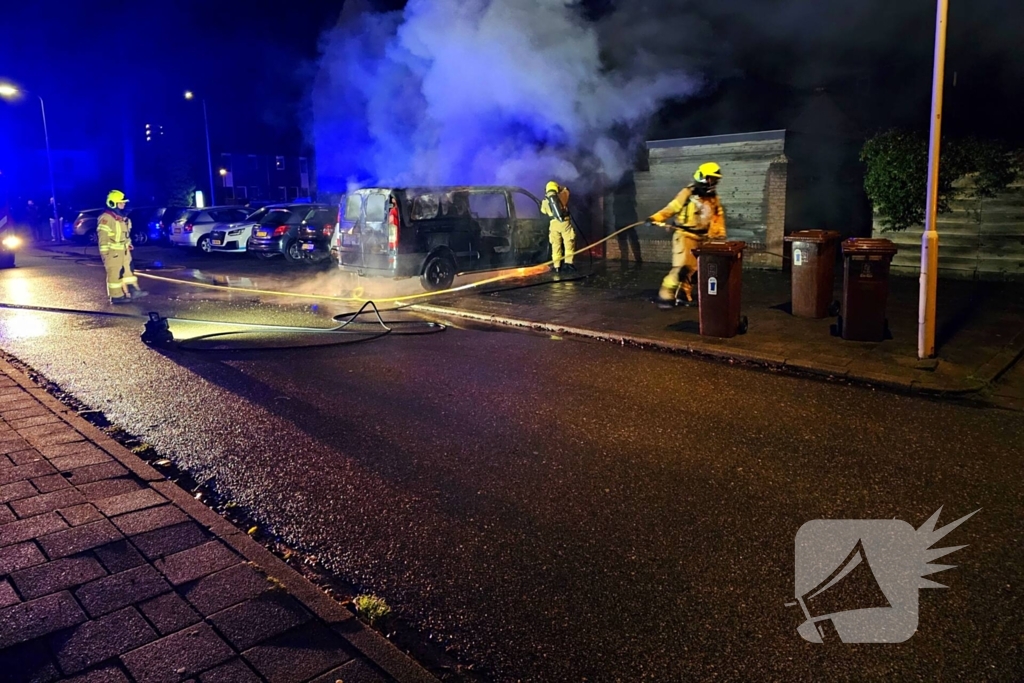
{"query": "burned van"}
(435, 233)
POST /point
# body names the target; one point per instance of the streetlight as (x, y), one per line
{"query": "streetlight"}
(189, 95)
(930, 238)
(9, 92)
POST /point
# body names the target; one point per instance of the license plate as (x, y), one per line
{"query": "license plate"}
(262, 234)
(308, 247)
(177, 231)
(218, 243)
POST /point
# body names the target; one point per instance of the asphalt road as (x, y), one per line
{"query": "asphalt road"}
(554, 510)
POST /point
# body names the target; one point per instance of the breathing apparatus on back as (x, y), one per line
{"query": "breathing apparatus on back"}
(558, 210)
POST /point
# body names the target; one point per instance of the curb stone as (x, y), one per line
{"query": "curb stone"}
(972, 386)
(366, 641)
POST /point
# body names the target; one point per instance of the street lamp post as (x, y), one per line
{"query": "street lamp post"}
(930, 238)
(8, 91)
(209, 156)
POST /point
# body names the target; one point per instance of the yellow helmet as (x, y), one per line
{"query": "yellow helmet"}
(115, 197)
(708, 170)
(551, 187)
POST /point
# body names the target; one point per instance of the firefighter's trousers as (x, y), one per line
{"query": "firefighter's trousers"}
(563, 242)
(684, 267)
(118, 264)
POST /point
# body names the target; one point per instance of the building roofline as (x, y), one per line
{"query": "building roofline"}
(760, 136)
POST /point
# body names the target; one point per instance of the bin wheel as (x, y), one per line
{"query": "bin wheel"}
(833, 309)
(743, 325)
(836, 330)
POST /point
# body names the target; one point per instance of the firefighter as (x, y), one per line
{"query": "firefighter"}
(694, 216)
(560, 230)
(113, 230)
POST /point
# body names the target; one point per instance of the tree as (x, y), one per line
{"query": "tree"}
(896, 178)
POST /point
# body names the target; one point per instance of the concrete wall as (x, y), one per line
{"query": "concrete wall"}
(980, 239)
(753, 191)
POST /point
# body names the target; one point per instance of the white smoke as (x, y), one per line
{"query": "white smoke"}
(477, 92)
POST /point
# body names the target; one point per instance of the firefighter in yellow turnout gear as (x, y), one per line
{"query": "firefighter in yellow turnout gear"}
(560, 230)
(695, 216)
(113, 230)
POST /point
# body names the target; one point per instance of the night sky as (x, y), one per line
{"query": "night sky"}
(255, 60)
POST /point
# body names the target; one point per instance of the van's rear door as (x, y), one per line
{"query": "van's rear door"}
(374, 234)
(346, 238)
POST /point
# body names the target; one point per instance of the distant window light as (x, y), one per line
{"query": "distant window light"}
(279, 163)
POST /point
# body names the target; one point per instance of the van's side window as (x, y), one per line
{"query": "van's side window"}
(488, 205)
(424, 207)
(376, 208)
(353, 205)
(526, 207)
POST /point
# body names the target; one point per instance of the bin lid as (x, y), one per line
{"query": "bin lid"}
(721, 248)
(858, 245)
(815, 236)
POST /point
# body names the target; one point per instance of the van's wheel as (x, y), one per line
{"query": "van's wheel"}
(263, 256)
(140, 238)
(438, 273)
(93, 238)
(293, 252)
(744, 325)
(205, 245)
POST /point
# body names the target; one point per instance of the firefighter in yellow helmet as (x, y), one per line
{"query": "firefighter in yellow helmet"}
(695, 216)
(113, 230)
(560, 230)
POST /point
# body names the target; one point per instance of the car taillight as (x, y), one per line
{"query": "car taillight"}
(79, 222)
(280, 230)
(328, 229)
(188, 227)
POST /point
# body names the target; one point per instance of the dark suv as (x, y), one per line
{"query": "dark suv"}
(315, 232)
(441, 231)
(278, 231)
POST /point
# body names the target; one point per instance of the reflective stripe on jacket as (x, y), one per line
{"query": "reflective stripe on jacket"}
(113, 232)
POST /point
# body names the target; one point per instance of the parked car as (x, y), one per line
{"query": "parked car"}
(442, 231)
(193, 227)
(235, 237)
(277, 232)
(158, 227)
(315, 232)
(83, 229)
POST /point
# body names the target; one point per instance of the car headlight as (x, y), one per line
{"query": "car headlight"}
(12, 242)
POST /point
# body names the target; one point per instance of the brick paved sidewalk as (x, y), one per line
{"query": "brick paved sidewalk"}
(110, 573)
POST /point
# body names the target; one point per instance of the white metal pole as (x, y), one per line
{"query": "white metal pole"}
(49, 166)
(930, 238)
(209, 156)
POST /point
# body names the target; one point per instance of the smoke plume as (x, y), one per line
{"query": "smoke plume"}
(477, 92)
